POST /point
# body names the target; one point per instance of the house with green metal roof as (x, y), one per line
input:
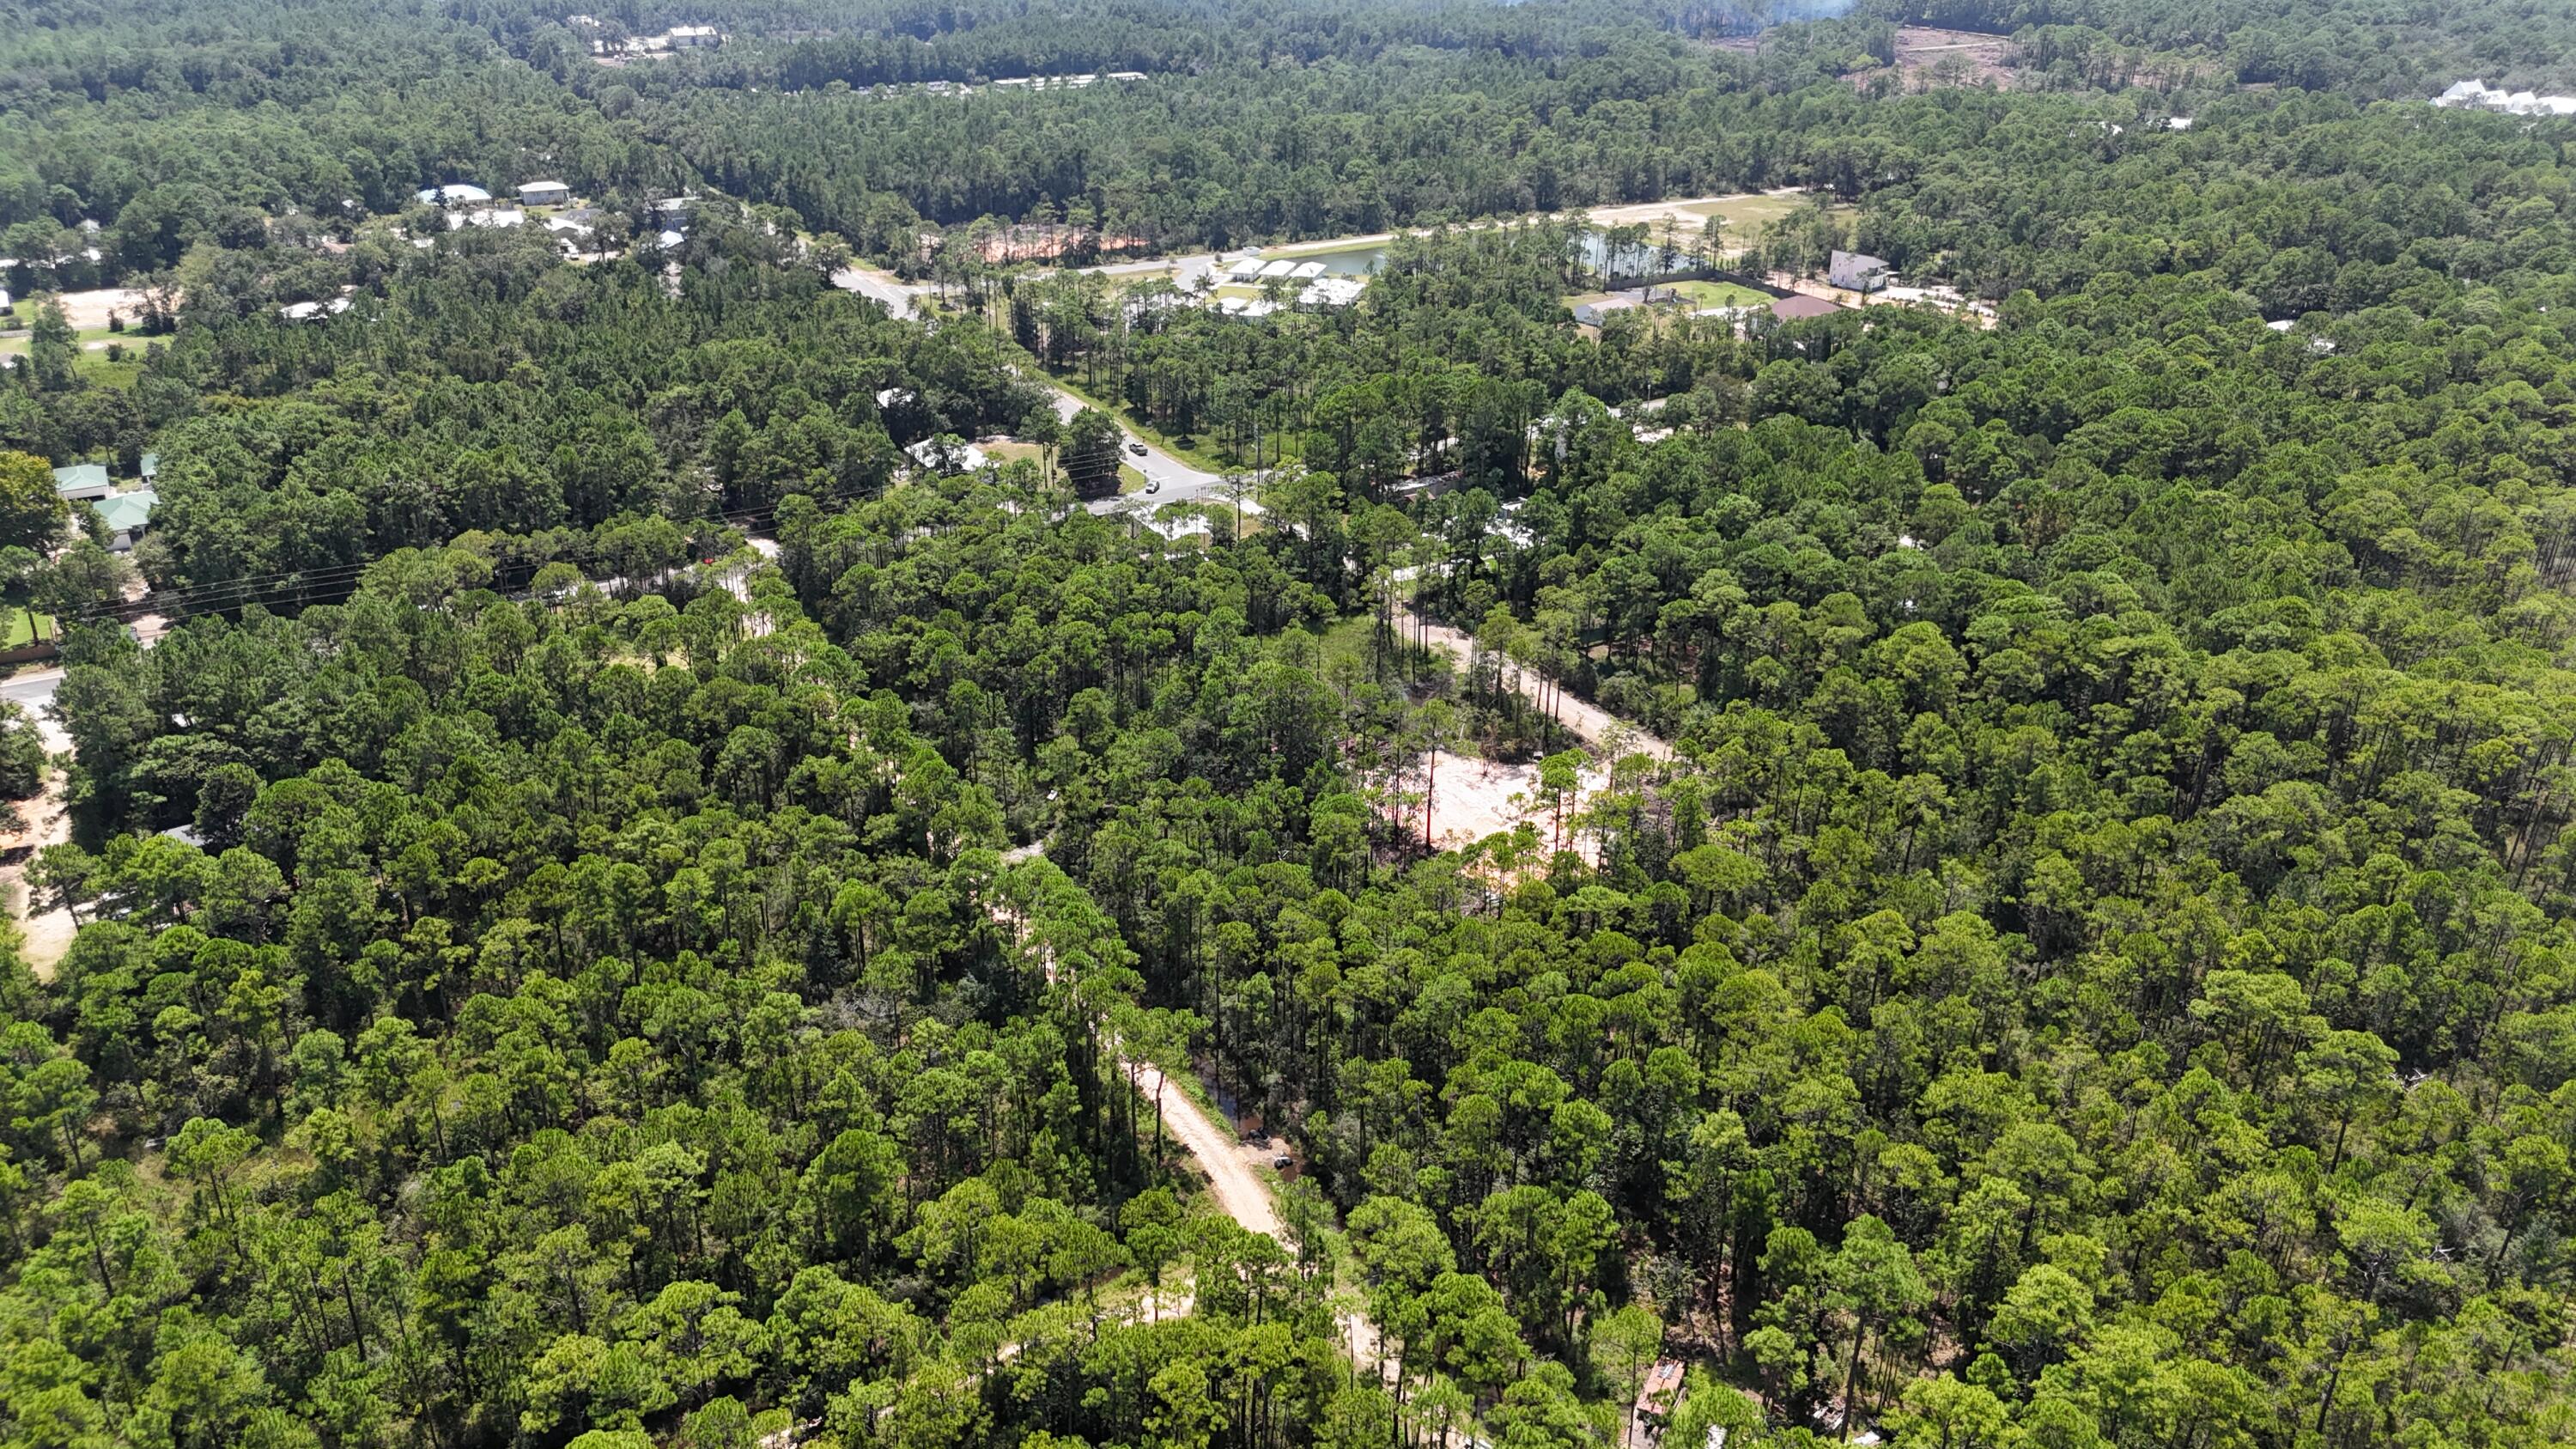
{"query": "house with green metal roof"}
(81, 482)
(126, 516)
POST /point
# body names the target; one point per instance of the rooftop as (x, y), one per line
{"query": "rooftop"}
(1799, 307)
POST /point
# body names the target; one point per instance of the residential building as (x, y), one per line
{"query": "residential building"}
(1858, 271)
(544, 193)
(126, 515)
(692, 37)
(1800, 307)
(1592, 314)
(457, 193)
(81, 482)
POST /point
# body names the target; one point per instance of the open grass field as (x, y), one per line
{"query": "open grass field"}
(1745, 215)
(1721, 294)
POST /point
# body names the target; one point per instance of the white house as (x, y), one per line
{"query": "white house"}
(947, 454)
(1591, 314)
(455, 194)
(544, 193)
(692, 37)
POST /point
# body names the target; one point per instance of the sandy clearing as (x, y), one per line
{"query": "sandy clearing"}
(88, 310)
(1687, 209)
(43, 937)
(1472, 799)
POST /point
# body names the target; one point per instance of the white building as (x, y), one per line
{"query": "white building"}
(459, 193)
(946, 455)
(1332, 291)
(2478, 95)
(692, 37)
(544, 193)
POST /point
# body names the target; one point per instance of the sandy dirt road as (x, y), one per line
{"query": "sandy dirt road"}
(1236, 1186)
(1590, 723)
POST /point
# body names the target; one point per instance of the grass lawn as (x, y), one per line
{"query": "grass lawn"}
(92, 363)
(1721, 294)
(1129, 480)
(1745, 213)
(1014, 452)
(26, 629)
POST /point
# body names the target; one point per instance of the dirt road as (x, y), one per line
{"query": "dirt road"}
(1592, 724)
(1237, 1187)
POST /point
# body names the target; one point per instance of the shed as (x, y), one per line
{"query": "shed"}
(544, 193)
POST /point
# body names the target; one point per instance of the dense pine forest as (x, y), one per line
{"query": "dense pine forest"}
(620, 904)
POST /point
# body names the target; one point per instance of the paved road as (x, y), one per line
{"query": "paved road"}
(35, 690)
(883, 287)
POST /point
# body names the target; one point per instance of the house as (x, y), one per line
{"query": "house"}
(1126, 75)
(544, 193)
(1591, 314)
(126, 515)
(81, 482)
(454, 194)
(490, 217)
(692, 37)
(1858, 271)
(148, 467)
(1305, 271)
(946, 454)
(1245, 270)
(1279, 268)
(1800, 307)
(1332, 291)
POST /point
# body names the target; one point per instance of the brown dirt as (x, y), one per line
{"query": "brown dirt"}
(1921, 53)
(88, 310)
